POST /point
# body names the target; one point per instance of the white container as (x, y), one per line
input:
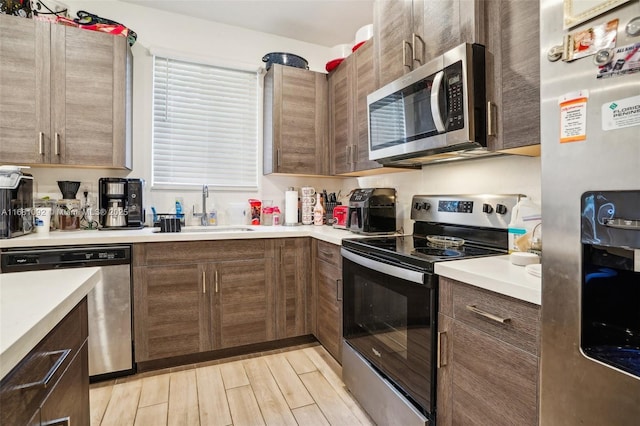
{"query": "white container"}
(237, 213)
(364, 33)
(341, 51)
(43, 219)
(524, 218)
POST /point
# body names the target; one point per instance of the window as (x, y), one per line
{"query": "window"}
(205, 125)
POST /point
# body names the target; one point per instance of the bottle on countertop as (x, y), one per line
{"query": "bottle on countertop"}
(318, 211)
(525, 216)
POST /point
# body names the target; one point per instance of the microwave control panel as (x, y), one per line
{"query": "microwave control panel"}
(455, 96)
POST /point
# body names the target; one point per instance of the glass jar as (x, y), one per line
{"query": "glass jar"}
(68, 215)
(267, 216)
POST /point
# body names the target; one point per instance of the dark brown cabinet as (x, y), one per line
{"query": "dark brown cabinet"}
(51, 384)
(408, 34)
(48, 118)
(295, 122)
(349, 85)
(488, 357)
(328, 297)
(192, 297)
(514, 88)
(293, 286)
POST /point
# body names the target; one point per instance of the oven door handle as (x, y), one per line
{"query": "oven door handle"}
(394, 271)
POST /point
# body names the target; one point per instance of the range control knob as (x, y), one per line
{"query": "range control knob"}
(486, 208)
(501, 209)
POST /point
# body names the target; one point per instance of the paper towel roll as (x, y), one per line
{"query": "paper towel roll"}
(290, 207)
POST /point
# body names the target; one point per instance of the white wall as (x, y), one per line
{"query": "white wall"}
(195, 39)
(216, 42)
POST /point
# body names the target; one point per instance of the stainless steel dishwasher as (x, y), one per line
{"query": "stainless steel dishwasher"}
(109, 303)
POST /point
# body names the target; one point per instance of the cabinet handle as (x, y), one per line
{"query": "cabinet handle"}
(492, 317)
(405, 43)
(354, 154)
(491, 118)
(413, 48)
(64, 421)
(44, 382)
(56, 145)
(338, 286)
(41, 143)
(348, 154)
(441, 361)
(326, 253)
(217, 287)
(204, 280)
(278, 158)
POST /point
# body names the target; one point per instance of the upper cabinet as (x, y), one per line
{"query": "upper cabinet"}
(349, 85)
(513, 87)
(66, 95)
(295, 121)
(408, 33)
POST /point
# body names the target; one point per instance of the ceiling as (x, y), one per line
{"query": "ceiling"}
(322, 22)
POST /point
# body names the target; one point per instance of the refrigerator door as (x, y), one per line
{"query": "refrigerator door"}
(592, 147)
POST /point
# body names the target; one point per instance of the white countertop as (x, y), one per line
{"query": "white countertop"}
(147, 235)
(33, 303)
(495, 273)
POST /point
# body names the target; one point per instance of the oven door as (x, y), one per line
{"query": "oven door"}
(389, 318)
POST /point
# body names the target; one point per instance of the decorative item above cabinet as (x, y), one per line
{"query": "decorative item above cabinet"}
(66, 95)
(295, 122)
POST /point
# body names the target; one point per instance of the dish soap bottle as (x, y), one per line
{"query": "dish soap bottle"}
(318, 211)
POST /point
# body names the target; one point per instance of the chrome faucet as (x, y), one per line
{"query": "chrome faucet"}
(204, 220)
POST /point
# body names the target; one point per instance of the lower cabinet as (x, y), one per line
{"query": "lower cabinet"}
(192, 297)
(50, 386)
(488, 357)
(328, 297)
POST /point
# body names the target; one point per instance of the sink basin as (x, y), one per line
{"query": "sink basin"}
(194, 229)
(215, 229)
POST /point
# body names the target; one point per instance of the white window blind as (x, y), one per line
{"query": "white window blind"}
(205, 125)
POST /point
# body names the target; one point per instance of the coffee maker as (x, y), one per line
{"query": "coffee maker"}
(121, 203)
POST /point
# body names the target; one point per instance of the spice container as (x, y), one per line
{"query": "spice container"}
(267, 216)
(276, 216)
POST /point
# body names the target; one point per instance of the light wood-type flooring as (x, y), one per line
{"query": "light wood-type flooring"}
(301, 386)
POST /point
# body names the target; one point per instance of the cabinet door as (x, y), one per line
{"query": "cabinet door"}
(298, 120)
(293, 276)
(392, 26)
(171, 306)
(492, 382)
(365, 83)
(341, 101)
(24, 87)
(329, 307)
(244, 307)
(516, 72)
(88, 92)
(68, 402)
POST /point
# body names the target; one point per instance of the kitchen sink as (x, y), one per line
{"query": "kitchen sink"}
(194, 229)
(215, 229)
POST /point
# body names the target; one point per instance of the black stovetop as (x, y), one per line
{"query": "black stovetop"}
(417, 251)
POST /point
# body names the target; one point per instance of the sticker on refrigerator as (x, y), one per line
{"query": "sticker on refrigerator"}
(625, 60)
(587, 42)
(621, 113)
(573, 116)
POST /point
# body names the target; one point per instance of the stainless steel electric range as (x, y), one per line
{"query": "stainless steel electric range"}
(390, 301)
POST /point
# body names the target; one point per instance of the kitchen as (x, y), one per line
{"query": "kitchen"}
(501, 175)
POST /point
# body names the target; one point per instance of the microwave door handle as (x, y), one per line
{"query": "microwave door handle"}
(435, 105)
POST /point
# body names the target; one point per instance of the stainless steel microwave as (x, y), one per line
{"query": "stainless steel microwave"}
(439, 108)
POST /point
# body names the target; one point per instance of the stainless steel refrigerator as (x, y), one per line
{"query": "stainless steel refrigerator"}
(590, 122)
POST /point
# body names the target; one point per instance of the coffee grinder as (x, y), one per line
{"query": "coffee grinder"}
(121, 203)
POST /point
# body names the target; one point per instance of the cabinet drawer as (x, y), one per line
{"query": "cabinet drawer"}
(163, 253)
(24, 389)
(510, 320)
(330, 253)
